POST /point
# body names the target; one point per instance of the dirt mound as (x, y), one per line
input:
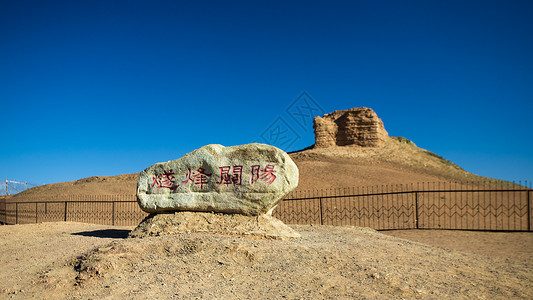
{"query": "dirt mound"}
(233, 224)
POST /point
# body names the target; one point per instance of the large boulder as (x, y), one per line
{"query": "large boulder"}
(248, 179)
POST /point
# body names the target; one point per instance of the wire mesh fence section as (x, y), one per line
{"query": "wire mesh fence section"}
(441, 205)
(301, 211)
(498, 210)
(96, 209)
(422, 206)
(50, 212)
(128, 213)
(383, 211)
(97, 212)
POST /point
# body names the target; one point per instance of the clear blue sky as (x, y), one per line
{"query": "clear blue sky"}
(109, 87)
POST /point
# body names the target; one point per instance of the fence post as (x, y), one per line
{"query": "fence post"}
(416, 210)
(321, 219)
(16, 212)
(113, 214)
(529, 211)
(36, 212)
(66, 211)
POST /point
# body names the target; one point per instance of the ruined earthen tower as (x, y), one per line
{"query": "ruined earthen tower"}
(358, 126)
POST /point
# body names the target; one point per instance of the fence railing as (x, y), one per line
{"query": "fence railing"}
(420, 206)
(423, 206)
(117, 210)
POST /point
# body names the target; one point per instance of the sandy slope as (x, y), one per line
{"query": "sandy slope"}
(394, 163)
(82, 261)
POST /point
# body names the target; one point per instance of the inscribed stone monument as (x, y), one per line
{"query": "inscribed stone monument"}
(248, 179)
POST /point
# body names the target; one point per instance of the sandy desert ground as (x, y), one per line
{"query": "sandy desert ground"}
(86, 261)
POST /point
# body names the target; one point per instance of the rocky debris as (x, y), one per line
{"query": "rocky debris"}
(403, 140)
(248, 179)
(358, 126)
(263, 226)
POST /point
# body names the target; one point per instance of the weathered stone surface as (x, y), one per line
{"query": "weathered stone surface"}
(263, 226)
(358, 126)
(247, 179)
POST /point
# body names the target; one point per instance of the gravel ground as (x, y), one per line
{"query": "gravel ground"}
(84, 261)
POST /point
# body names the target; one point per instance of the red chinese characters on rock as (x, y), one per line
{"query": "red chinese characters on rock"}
(229, 175)
(227, 178)
(165, 180)
(266, 174)
(198, 177)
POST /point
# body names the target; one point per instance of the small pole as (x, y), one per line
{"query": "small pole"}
(113, 216)
(529, 210)
(36, 213)
(416, 210)
(321, 219)
(65, 211)
(16, 212)
(7, 193)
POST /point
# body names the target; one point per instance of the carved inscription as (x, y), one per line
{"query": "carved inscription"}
(228, 175)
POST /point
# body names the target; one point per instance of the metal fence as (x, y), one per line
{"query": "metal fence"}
(415, 206)
(117, 210)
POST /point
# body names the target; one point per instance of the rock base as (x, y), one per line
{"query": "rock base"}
(263, 226)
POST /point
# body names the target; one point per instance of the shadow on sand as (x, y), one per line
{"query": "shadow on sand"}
(105, 233)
